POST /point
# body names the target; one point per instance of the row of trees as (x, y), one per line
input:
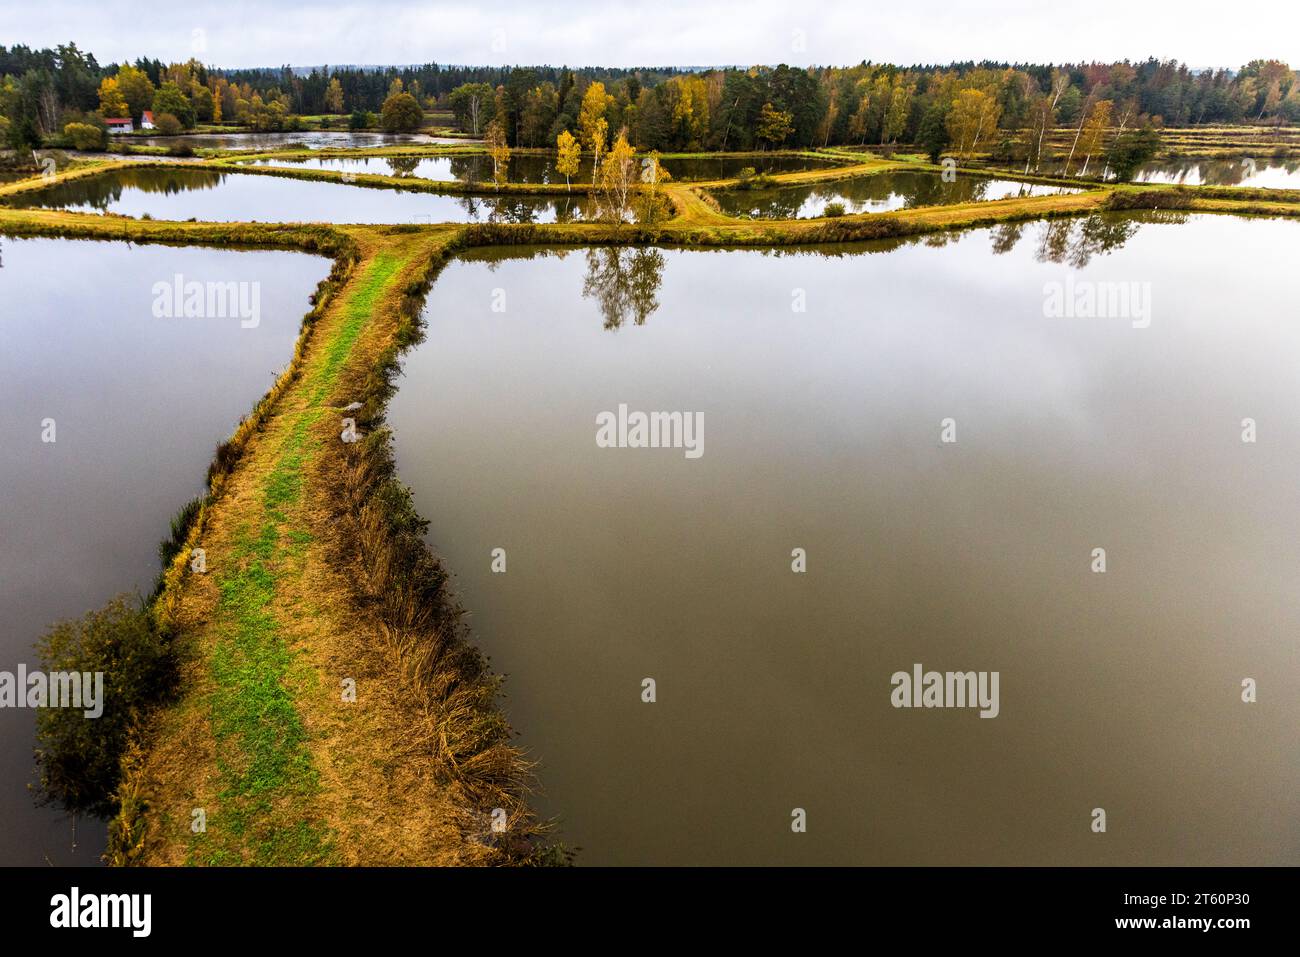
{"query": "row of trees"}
(878, 104)
(871, 104)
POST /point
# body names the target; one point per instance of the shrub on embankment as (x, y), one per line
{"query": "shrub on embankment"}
(79, 755)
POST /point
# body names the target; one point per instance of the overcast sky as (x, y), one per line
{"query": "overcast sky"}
(660, 32)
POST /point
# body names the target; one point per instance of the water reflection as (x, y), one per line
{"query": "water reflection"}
(537, 168)
(403, 165)
(1238, 171)
(1248, 171)
(877, 193)
(181, 193)
(624, 283)
(310, 139)
(101, 193)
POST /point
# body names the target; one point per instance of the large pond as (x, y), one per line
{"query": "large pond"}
(824, 380)
(138, 402)
(534, 168)
(178, 193)
(311, 139)
(877, 193)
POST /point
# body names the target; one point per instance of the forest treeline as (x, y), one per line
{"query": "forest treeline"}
(960, 107)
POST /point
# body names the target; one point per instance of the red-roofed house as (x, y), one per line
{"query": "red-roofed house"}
(120, 125)
(146, 120)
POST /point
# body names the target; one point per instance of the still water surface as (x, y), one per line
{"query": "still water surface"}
(1258, 174)
(877, 193)
(822, 431)
(177, 193)
(311, 139)
(531, 168)
(138, 404)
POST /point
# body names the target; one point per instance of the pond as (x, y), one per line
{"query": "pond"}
(138, 402)
(311, 139)
(535, 168)
(177, 193)
(877, 193)
(822, 382)
(1241, 171)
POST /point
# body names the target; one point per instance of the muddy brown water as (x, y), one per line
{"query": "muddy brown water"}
(823, 430)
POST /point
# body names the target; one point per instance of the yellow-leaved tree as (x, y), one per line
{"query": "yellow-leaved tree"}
(592, 124)
(568, 156)
(972, 120)
(112, 103)
(334, 96)
(617, 176)
(499, 149)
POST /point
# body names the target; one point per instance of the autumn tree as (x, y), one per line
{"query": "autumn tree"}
(1043, 119)
(498, 147)
(773, 125)
(334, 96)
(136, 88)
(653, 176)
(1093, 134)
(205, 105)
(568, 156)
(401, 113)
(170, 99)
(617, 177)
(860, 118)
(972, 120)
(111, 101)
(592, 123)
(688, 97)
(900, 104)
(86, 136)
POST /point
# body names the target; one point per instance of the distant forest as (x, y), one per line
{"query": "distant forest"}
(960, 107)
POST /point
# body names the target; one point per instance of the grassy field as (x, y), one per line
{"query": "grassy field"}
(318, 575)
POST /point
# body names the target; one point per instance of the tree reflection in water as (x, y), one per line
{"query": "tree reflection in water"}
(624, 282)
(1076, 241)
(403, 165)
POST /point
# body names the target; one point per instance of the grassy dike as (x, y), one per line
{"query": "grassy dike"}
(317, 572)
(293, 610)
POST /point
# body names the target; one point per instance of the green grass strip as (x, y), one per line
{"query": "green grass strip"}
(267, 779)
